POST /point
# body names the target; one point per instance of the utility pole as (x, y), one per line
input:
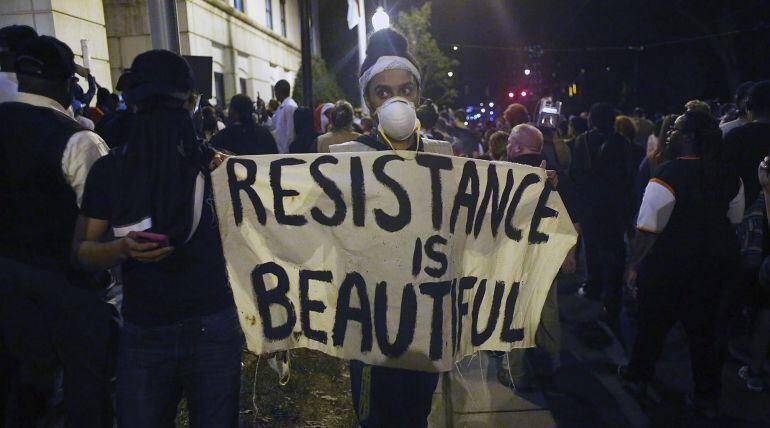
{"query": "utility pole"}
(362, 46)
(307, 71)
(164, 27)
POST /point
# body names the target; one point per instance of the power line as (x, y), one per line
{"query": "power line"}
(627, 48)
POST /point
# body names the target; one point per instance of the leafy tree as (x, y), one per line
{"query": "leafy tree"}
(434, 63)
(325, 87)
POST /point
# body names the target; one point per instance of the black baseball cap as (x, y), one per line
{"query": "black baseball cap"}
(12, 36)
(46, 58)
(157, 72)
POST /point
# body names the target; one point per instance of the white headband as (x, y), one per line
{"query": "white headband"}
(388, 63)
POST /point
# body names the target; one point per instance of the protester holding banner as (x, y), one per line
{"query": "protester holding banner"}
(390, 81)
(525, 146)
(181, 333)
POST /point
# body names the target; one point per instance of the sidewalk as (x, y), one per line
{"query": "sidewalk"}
(585, 391)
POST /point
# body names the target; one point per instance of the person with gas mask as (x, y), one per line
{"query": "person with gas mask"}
(390, 81)
(683, 253)
(11, 39)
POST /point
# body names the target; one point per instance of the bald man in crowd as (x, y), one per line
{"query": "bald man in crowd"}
(525, 145)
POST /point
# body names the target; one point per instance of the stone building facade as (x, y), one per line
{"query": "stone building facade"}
(253, 43)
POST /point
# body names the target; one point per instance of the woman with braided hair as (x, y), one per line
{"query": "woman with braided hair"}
(683, 252)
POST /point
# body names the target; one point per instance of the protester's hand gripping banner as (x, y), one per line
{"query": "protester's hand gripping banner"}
(410, 263)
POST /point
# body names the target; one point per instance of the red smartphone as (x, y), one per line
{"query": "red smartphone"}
(161, 240)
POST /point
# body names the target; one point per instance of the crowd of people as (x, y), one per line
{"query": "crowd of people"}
(113, 285)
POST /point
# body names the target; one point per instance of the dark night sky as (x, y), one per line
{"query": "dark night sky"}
(661, 77)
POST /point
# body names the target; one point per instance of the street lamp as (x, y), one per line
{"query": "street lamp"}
(450, 74)
(380, 19)
(527, 71)
(510, 94)
(455, 47)
(491, 104)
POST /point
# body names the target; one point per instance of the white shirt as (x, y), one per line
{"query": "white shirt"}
(283, 124)
(9, 86)
(729, 126)
(82, 150)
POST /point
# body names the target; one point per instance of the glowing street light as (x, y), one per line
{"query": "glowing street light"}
(510, 94)
(380, 19)
(483, 110)
(523, 93)
(450, 74)
(527, 71)
(491, 104)
(455, 47)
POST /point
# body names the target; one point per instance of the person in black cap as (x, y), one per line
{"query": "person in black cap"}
(11, 38)
(181, 333)
(52, 316)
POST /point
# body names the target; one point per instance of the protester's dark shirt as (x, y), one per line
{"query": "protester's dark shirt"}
(436, 135)
(566, 187)
(112, 128)
(245, 140)
(191, 282)
(697, 238)
(603, 168)
(469, 141)
(745, 147)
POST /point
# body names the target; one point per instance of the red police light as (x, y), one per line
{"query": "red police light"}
(523, 93)
(510, 94)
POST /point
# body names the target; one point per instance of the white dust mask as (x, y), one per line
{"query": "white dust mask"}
(398, 118)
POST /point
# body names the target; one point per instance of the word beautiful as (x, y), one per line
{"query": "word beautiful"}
(357, 255)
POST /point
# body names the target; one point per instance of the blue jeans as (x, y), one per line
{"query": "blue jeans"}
(200, 357)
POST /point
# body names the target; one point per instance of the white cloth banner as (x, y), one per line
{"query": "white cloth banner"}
(410, 263)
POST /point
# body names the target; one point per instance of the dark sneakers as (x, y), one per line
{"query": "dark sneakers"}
(706, 407)
(639, 388)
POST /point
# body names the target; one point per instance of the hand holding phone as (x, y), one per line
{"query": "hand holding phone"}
(146, 247)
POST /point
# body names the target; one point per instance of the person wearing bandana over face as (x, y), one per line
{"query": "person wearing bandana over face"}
(181, 334)
(390, 81)
(684, 252)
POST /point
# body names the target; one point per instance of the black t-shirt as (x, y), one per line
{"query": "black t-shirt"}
(191, 282)
(745, 147)
(243, 140)
(469, 141)
(603, 169)
(697, 239)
